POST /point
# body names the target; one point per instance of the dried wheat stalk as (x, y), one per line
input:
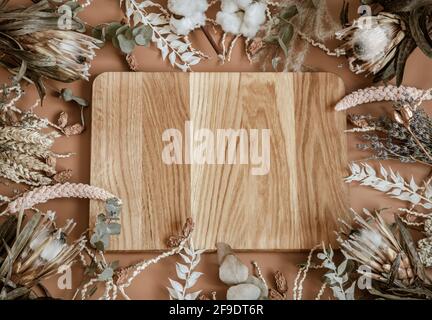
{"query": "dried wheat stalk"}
(25, 146)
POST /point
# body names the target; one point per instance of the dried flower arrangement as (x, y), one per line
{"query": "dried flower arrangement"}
(35, 45)
(284, 41)
(380, 259)
(26, 155)
(273, 31)
(33, 253)
(34, 248)
(381, 44)
(385, 256)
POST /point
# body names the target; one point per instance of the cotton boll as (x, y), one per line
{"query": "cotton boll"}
(182, 26)
(243, 4)
(255, 14)
(229, 6)
(187, 7)
(198, 19)
(249, 31)
(201, 5)
(230, 22)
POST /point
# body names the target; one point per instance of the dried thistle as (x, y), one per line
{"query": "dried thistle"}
(36, 43)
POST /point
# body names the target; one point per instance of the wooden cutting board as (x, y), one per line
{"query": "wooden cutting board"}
(293, 207)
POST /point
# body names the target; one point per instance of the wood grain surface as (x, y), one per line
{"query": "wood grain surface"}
(293, 207)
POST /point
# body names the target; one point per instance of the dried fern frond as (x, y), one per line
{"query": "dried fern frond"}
(392, 184)
(186, 272)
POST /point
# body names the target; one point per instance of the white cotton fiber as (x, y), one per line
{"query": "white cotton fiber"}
(193, 12)
(187, 7)
(243, 4)
(249, 31)
(229, 6)
(181, 26)
(255, 14)
(186, 24)
(198, 18)
(230, 22)
(242, 16)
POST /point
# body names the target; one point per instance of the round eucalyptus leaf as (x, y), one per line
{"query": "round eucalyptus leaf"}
(66, 94)
(111, 30)
(141, 40)
(82, 102)
(142, 35)
(114, 228)
(115, 42)
(126, 45)
(122, 30)
(106, 274)
(99, 33)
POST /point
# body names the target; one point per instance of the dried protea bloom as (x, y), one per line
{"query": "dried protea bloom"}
(373, 245)
(66, 55)
(39, 250)
(425, 245)
(36, 43)
(371, 42)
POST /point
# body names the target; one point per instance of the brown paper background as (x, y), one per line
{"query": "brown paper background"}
(151, 284)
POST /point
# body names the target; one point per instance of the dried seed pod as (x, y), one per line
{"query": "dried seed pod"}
(63, 176)
(406, 113)
(73, 130)
(62, 120)
(275, 295)
(398, 117)
(281, 282)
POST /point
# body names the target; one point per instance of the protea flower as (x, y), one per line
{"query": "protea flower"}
(35, 253)
(387, 255)
(370, 43)
(374, 245)
(35, 45)
(393, 35)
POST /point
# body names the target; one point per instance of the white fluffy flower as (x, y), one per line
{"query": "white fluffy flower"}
(230, 22)
(186, 24)
(241, 17)
(193, 12)
(255, 14)
(229, 6)
(370, 43)
(186, 8)
(243, 4)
